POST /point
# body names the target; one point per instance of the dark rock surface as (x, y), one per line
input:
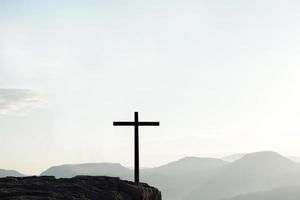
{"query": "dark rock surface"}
(77, 188)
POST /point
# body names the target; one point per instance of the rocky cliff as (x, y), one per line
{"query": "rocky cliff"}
(77, 188)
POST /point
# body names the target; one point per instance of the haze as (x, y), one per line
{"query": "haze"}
(222, 77)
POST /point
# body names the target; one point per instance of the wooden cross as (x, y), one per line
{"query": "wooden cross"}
(136, 125)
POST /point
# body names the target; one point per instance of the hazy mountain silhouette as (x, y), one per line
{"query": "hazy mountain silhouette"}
(289, 193)
(190, 171)
(193, 178)
(176, 179)
(235, 157)
(187, 165)
(4, 173)
(93, 169)
(253, 172)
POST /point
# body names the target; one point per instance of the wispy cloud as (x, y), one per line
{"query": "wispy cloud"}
(18, 101)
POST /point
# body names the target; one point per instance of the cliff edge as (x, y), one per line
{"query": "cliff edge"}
(77, 188)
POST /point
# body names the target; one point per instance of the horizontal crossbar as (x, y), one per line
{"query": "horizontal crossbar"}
(136, 123)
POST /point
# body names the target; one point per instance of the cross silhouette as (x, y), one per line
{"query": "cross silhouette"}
(136, 125)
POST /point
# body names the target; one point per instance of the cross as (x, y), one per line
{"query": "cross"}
(136, 125)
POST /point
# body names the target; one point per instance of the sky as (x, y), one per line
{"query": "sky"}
(222, 77)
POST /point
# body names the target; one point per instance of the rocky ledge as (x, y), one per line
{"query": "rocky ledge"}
(77, 188)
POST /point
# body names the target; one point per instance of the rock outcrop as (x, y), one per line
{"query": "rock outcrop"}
(77, 188)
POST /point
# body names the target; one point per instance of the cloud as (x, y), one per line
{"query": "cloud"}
(18, 101)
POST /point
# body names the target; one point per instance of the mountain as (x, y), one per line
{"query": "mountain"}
(288, 193)
(235, 157)
(186, 172)
(193, 178)
(4, 173)
(254, 172)
(190, 170)
(93, 169)
(187, 165)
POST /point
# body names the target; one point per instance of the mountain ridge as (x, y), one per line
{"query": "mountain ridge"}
(254, 172)
(191, 177)
(71, 170)
(5, 172)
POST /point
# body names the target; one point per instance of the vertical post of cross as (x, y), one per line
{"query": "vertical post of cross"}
(136, 148)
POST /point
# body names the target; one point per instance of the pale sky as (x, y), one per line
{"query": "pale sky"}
(222, 77)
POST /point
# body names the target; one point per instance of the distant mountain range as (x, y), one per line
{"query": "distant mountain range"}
(93, 169)
(4, 173)
(252, 173)
(234, 157)
(255, 176)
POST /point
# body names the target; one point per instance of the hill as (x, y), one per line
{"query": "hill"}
(92, 169)
(5, 173)
(187, 165)
(190, 170)
(254, 172)
(187, 172)
(193, 178)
